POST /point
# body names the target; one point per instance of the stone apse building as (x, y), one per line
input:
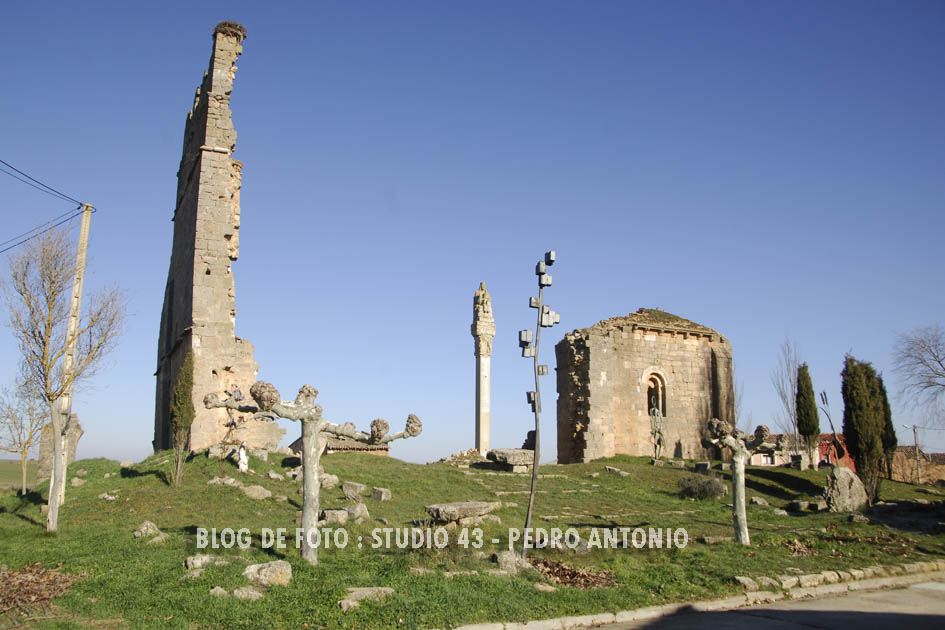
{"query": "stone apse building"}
(611, 375)
(199, 312)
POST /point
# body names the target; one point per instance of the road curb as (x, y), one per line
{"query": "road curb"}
(907, 575)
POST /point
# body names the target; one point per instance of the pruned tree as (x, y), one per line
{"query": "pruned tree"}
(784, 380)
(38, 293)
(808, 422)
(22, 419)
(919, 360)
(182, 413)
(723, 434)
(270, 406)
(863, 422)
(890, 441)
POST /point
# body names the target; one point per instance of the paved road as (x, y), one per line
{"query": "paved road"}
(919, 607)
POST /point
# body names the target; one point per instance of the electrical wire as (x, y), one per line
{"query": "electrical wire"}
(45, 228)
(35, 183)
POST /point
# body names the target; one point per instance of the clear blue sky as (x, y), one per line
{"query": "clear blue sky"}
(766, 169)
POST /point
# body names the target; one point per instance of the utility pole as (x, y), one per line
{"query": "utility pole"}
(72, 331)
(918, 469)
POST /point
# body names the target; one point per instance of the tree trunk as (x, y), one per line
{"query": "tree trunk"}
(310, 488)
(23, 455)
(179, 452)
(739, 457)
(57, 481)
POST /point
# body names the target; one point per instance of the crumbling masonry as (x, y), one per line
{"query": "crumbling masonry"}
(613, 375)
(199, 313)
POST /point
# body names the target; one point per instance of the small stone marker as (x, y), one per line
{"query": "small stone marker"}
(358, 512)
(452, 512)
(248, 593)
(516, 460)
(779, 512)
(147, 528)
(336, 517)
(758, 501)
(275, 476)
(511, 562)
(75, 481)
(702, 468)
(352, 490)
(225, 481)
(327, 481)
(381, 494)
(256, 492)
(357, 595)
(544, 588)
(798, 506)
(218, 591)
(276, 573)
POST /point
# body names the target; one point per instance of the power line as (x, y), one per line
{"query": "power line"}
(48, 226)
(35, 183)
(28, 232)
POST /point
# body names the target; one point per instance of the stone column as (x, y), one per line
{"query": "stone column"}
(483, 330)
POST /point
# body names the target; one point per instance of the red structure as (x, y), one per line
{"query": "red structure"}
(827, 451)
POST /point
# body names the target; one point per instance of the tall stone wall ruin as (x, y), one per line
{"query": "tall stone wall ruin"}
(612, 374)
(199, 312)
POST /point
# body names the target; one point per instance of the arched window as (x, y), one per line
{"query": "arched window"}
(656, 395)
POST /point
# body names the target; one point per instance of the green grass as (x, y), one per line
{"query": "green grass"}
(141, 585)
(10, 473)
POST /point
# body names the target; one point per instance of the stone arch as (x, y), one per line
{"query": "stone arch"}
(653, 382)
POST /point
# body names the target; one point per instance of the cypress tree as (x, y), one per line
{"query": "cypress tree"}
(890, 441)
(808, 421)
(863, 422)
(182, 412)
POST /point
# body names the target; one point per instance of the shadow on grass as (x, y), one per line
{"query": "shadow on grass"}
(689, 618)
(788, 483)
(131, 473)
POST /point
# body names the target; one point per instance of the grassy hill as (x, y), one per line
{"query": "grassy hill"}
(130, 583)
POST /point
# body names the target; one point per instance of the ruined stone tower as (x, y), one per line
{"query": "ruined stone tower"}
(613, 375)
(199, 313)
(483, 331)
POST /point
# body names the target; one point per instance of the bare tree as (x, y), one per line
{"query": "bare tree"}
(38, 295)
(784, 379)
(725, 435)
(919, 360)
(22, 419)
(269, 406)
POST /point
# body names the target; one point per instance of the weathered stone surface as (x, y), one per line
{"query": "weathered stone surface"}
(512, 456)
(810, 579)
(82, 472)
(766, 582)
(758, 501)
(511, 562)
(715, 540)
(352, 490)
(275, 476)
(256, 492)
(357, 595)
(446, 512)
(225, 481)
(544, 588)
(788, 581)
(817, 506)
(147, 528)
(381, 494)
(44, 464)
(218, 591)
(703, 467)
(335, 517)
(798, 506)
(609, 374)
(327, 481)
(248, 593)
(198, 561)
(199, 299)
(76, 481)
(276, 573)
(779, 512)
(159, 539)
(747, 582)
(844, 491)
(358, 512)
(107, 497)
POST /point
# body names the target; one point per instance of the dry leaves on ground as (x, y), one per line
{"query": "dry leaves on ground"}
(569, 576)
(26, 588)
